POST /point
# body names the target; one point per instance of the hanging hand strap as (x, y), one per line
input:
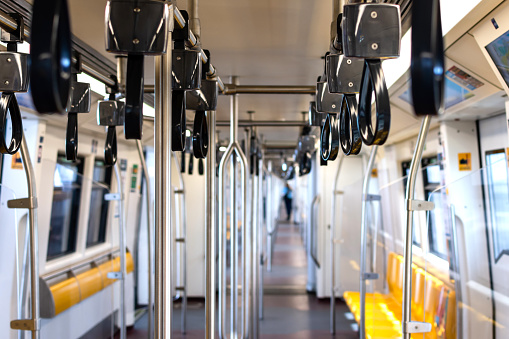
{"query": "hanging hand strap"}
(133, 122)
(191, 163)
(110, 149)
(178, 122)
(349, 134)
(201, 167)
(330, 138)
(200, 135)
(427, 69)
(71, 137)
(50, 50)
(8, 103)
(373, 79)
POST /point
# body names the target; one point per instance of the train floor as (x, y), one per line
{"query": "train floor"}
(289, 312)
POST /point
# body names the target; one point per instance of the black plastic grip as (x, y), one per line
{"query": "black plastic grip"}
(133, 122)
(201, 167)
(110, 148)
(329, 138)
(428, 62)
(183, 163)
(9, 104)
(71, 137)
(51, 58)
(191, 164)
(373, 80)
(349, 134)
(178, 121)
(200, 135)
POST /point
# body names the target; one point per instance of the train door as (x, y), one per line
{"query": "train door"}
(494, 156)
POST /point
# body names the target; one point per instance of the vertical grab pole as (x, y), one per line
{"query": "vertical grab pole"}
(260, 257)
(182, 240)
(270, 220)
(210, 291)
(457, 277)
(234, 238)
(122, 245)
(363, 275)
(162, 125)
(222, 243)
(244, 171)
(32, 324)
(254, 257)
(412, 205)
(332, 247)
(150, 237)
(246, 244)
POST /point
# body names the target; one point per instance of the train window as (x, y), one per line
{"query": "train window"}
(436, 227)
(405, 167)
(65, 207)
(98, 215)
(498, 188)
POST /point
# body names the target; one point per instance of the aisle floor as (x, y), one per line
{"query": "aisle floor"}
(289, 311)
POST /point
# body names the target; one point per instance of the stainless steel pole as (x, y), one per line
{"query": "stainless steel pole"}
(122, 247)
(259, 256)
(162, 124)
(31, 204)
(234, 238)
(223, 227)
(363, 277)
(232, 89)
(457, 277)
(410, 207)
(182, 240)
(210, 291)
(149, 239)
(270, 220)
(332, 248)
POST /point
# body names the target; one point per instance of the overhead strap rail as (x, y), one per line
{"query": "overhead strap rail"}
(8, 23)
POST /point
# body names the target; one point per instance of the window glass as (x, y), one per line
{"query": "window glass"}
(416, 239)
(432, 178)
(98, 215)
(498, 187)
(65, 207)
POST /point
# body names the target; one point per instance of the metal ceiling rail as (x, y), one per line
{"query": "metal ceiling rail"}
(264, 123)
(8, 23)
(246, 89)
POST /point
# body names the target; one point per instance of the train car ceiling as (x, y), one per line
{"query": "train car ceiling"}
(285, 48)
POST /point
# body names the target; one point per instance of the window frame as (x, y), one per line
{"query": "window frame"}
(105, 208)
(75, 213)
(497, 253)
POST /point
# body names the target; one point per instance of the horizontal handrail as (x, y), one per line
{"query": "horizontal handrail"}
(316, 201)
(81, 264)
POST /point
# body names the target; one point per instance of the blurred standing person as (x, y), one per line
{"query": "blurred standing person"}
(288, 198)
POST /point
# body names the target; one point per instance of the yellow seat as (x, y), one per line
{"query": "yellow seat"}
(432, 302)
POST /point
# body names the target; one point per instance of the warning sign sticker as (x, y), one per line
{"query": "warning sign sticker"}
(465, 161)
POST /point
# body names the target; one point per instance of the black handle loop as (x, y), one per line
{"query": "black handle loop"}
(51, 58)
(427, 69)
(200, 135)
(373, 79)
(71, 137)
(133, 122)
(178, 113)
(201, 167)
(183, 163)
(329, 139)
(191, 164)
(8, 103)
(349, 134)
(110, 149)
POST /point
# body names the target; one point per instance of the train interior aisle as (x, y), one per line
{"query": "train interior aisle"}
(240, 169)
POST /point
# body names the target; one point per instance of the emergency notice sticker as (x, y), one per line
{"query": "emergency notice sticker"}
(465, 161)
